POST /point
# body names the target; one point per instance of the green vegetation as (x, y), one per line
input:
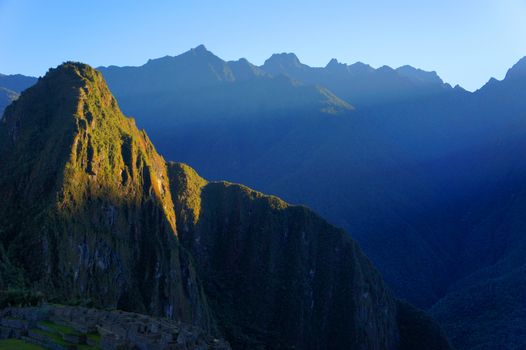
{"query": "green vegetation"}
(86, 347)
(20, 297)
(53, 337)
(58, 328)
(16, 344)
(93, 338)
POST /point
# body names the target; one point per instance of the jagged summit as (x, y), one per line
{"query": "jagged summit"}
(63, 96)
(333, 61)
(197, 55)
(71, 76)
(284, 58)
(334, 65)
(280, 63)
(200, 49)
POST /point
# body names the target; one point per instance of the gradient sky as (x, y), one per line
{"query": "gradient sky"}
(465, 41)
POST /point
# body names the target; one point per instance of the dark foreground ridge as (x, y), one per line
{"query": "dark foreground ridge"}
(91, 212)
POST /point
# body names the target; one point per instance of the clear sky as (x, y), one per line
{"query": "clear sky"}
(465, 41)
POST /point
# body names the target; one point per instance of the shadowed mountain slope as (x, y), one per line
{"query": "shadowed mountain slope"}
(279, 276)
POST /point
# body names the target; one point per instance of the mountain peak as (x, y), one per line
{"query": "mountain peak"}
(333, 63)
(283, 59)
(419, 75)
(63, 88)
(72, 71)
(199, 52)
(200, 49)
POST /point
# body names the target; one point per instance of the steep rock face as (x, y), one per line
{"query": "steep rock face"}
(87, 211)
(279, 276)
(6, 97)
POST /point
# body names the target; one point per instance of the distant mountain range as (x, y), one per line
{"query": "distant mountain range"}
(91, 213)
(11, 86)
(428, 178)
(208, 88)
(359, 83)
(411, 171)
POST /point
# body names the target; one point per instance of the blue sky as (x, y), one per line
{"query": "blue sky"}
(465, 41)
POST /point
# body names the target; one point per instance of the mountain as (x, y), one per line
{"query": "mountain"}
(11, 86)
(360, 84)
(16, 82)
(335, 165)
(88, 213)
(91, 211)
(204, 88)
(421, 174)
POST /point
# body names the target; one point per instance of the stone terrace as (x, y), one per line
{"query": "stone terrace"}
(60, 327)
